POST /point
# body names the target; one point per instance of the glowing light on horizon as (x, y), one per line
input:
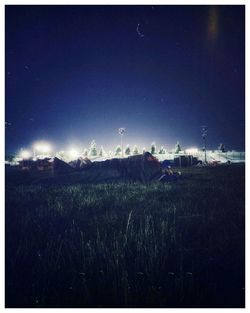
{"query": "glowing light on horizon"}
(73, 153)
(42, 147)
(192, 150)
(25, 154)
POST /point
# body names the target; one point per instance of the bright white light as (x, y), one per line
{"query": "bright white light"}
(37, 147)
(192, 150)
(45, 148)
(73, 153)
(42, 147)
(25, 154)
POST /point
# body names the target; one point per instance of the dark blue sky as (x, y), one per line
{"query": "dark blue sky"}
(77, 73)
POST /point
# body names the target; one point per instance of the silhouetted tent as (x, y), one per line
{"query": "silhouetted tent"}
(185, 160)
(144, 167)
(60, 166)
(81, 163)
(27, 164)
(45, 164)
(49, 164)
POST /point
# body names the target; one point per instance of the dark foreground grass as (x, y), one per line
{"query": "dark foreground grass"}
(128, 244)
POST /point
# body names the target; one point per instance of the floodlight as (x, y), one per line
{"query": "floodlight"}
(42, 147)
(45, 148)
(73, 153)
(25, 154)
(192, 151)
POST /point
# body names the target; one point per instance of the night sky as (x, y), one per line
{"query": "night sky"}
(77, 73)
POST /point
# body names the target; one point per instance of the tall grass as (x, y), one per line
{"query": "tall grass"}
(128, 244)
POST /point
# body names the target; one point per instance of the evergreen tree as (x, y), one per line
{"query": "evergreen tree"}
(143, 150)
(162, 150)
(222, 147)
(177, 147)
(93, 150)
(102, 153)
(85, 152)
(118, 150)
(127, 150)
(135, 150)
(153, 148)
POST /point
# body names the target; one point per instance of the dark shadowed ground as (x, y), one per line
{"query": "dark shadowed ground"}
(127, 244)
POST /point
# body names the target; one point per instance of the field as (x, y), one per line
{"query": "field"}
(178, 244)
